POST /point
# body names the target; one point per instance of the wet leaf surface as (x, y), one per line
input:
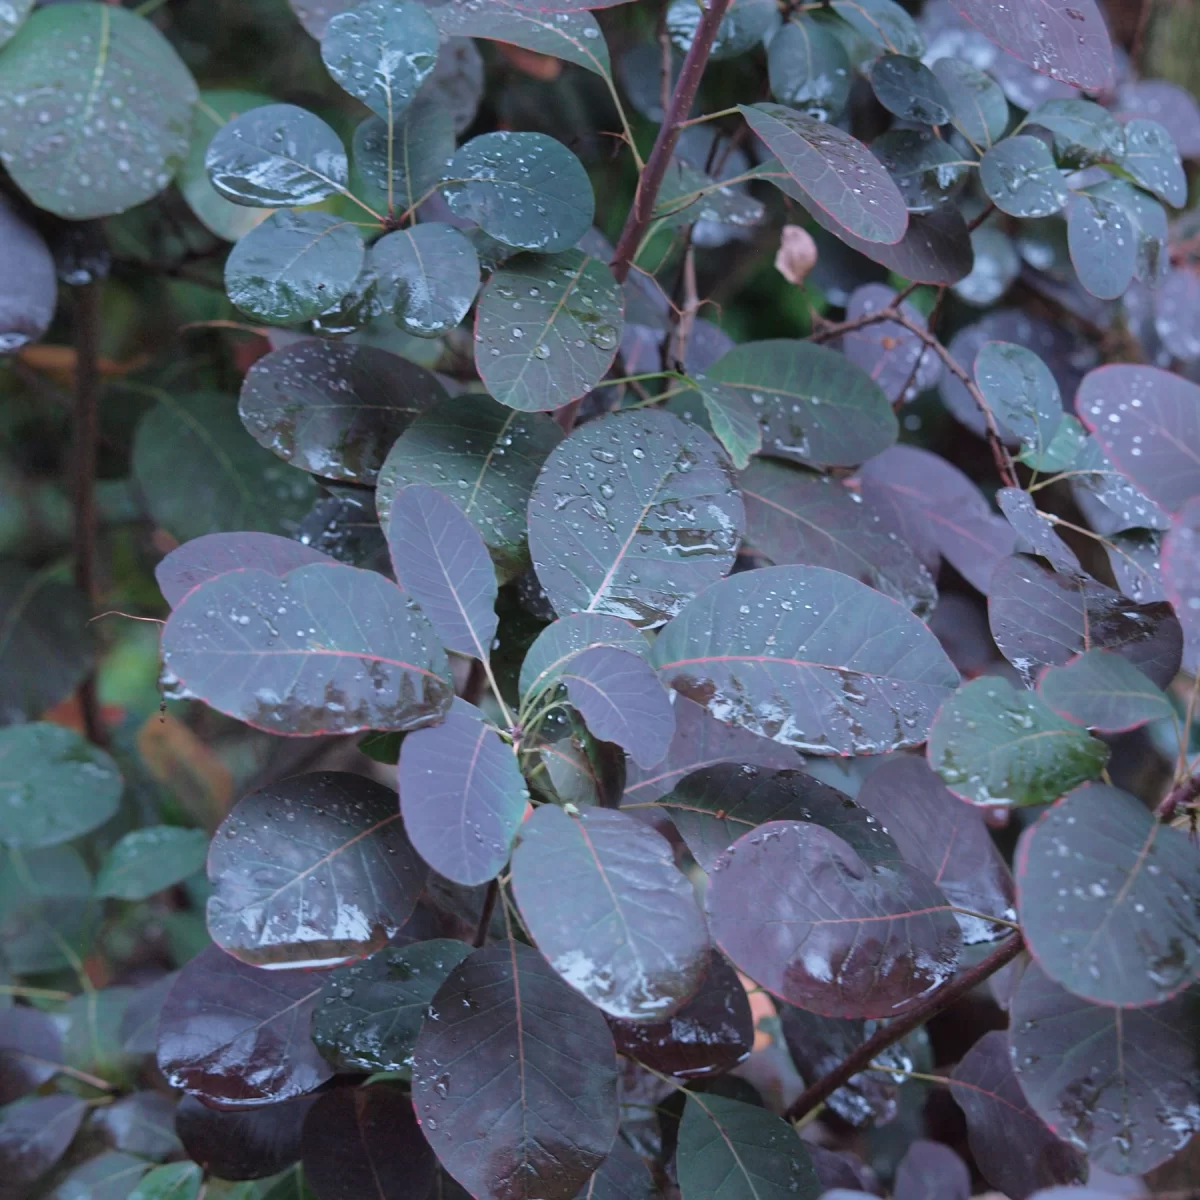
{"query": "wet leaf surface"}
(1021, 391)
(1105, 692)
(561, 641)
(882, 23)
(239, 1036)
(324, 649)
(978, 107)
(1036, 530)
(248, 1143)
(1181, 577)
(909, 89)
(1177, 314)
(399, 175)
(993, 744)
(614, 877)
(1021, 178)
(893, 356)
(511, 1040)
(311, 872)
(10, 20)
(173, 1181)
(431, 275)
(1117, 924)
(732, 418)
(462, 796)
(57, 785)
(806, 917)
(631, 516)
(370, 1013)
(1152, 158)
(809, 69)
(622, 1176)
(61, 68)
(1102, 242)
(147, 860)
(928, 172)
(30, 289)
(30, 1051)
(34, 1136)
(1084, 133)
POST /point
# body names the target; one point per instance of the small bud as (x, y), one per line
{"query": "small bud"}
(797, 254)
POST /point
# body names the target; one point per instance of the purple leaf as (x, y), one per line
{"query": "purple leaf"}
(808, 919)
(931, 1171)
(143, 1123)
(840, 1169)
(441, 561)
(314, 871)
(247, 1143)
(1177, 313)
(1012, 1147)
(765, 650)
(946, 839)
(1102, 243)
(894, 357)
(325, 649)
(1065, 39)
(1171, 106)
(30, 288)
(623, 1175)
(1105, 692)
(462, 796)
(603, 900)
(562, 640)
(836, 173)
(515, 1079)
(1117, 924)
(1036, 529)
(30, 1051)
(622, 700)
(239, 1036)
(34, 1136)
(1148, 422)
(1181, 577)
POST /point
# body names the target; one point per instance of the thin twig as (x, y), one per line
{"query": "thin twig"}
(1182, 796)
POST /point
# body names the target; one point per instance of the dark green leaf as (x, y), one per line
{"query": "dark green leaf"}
(907, 87)
(1020, 391)
(927, 171)
(429, 275)
(978, 108)
(1103, 244)
(744, 25)
(883, 23)
(399, 176)
(809, 69)
(174, 1181)
(1084, 133)
(688, 195)
(1105, 692)
(148, 860)
(622, 1176)
(733, 419)
(1153, 161)
(11, 17)
(1062, 450)
(44, 909)
(1021, 177)
(109, 1176)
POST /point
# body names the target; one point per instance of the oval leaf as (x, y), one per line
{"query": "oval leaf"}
(809, 69)
(978, 107)
(1105, 692)
(1102, 243)
(150, 859)
(1021, 392)
(430, 274)
(907, 87)
(1181, 577)
(1152, 158)
(559, 643)
(1022, 179)
(30, 288)
(396, 172)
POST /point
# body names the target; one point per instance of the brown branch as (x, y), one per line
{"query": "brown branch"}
(686, 87)
(963, 983)
(1179, 797)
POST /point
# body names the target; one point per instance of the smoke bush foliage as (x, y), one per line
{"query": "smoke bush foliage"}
(581, 647)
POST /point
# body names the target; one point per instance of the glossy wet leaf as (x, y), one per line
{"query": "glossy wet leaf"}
(1152, 158)
(238, 1035)
(56, 785)
(622, 1176)
(201, 472)
(815, 406)
(688, 195)
(422, 143)
(242, 1143)
(895, 357)
(946, 839)
(512, 1040)
(172, 1181)
(614, 877)
(631, 516)
(928, 172)
(909, 89)
(978, 108)
(1084, 132)
(1036, 530)
(525, 189)
(729, 1149)
(325, 648)
(64, 66)
(34, 1136)
(11, 17)
(1170, 105)
(430, 275)
(370, 1012)
(381, 52)
(882, 23)
(1120, 1085)
(1148, 422)
(294, 266)
(1117, 925)
(794, 516)
(1103, 244)
(547, 329)
(313, 871)
(147, 860)
(1021, 391)
(995, 745)
(807, 918)
(809, 69)
(835, 172)
(560, 642)
(30, 289)
(1022, 179)
(744, 25)
(1066, 41)
(1180, 573)
(30, 1051)
(334, 408)
(1063, 450)
(462, 796)
(276, 155)
(1105, 692)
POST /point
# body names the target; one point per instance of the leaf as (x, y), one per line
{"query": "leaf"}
(294, 266)
(801, 913)
(1152, 159)
(56, 785)
(10, 19)
(1120, 1085)
(369, 662)
(1177, 314)
(927, 171)
(30, 1051)
(35, 1135)
(946, 839)
(1036, 530)
(1121, 931)
(381, 52)
(1063, 450)
(1109, 497)
(931, 1171)
(994, 745)
(614, 878)
(512, 1040)
(315, 15)
(895, 357)
(1065, 41)
(796, 517)
(430, 274)
(62, 67)
(1148, 422)
(1022, 179)
(201, 473)
(237, 1035)
(108, 1176)
(908, 88)
(631, 516)
(728, 1149)
(623, 1175)
(29, 291)
(1021, 391)
(809, 69)
(1042, 618)
(483, 456)
(688, 194)
(560, 642)
(242, 1143)
(1181, 577)
(45, 915)
(174, 1181)
(547, 329)
(148, 860)
(882, 23)
(462, 796)
(398, 176)
(142, 1123)
(938, 511)
(978, 108)
(996, 265)
(525, 189)
(370, 1012)
(732, 418)
(834, 171)
(745, 24)
(1105, 692)
(816, 407)
(334, 408)
(1102, 242)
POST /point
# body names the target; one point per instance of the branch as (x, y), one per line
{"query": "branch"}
(651, 179)
(966, 981)
(1179, 797)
